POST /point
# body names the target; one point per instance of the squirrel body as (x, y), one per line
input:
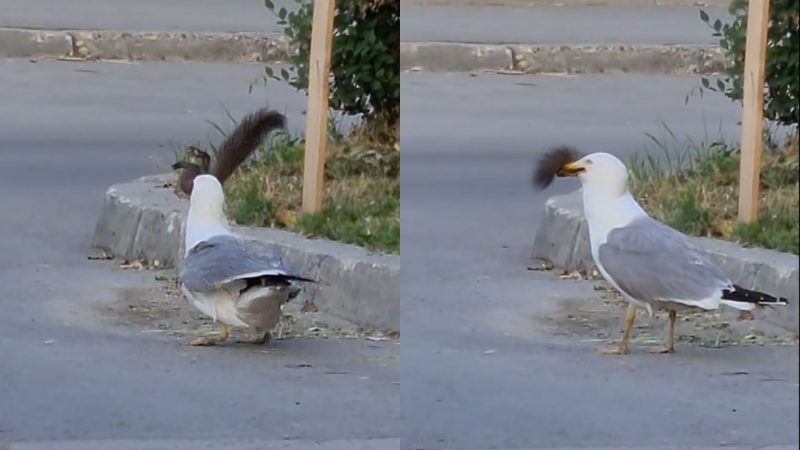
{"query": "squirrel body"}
(240, 144)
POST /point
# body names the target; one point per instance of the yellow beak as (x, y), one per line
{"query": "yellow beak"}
(571, 169)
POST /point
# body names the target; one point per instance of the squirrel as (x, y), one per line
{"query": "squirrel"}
(190, 170)
(237, 147)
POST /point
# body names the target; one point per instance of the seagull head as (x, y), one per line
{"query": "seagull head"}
(206, 203)
(601, 172)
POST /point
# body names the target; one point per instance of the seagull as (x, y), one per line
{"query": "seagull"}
(655, 267)
(236, 282)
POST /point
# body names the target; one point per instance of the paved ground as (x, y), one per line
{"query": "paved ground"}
(542, 25)
(567, 3)
(558, 25)
(147, 15)
(67, 132)
(479, 369)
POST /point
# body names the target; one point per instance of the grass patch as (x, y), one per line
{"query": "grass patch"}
(693, 187)
(361, 199)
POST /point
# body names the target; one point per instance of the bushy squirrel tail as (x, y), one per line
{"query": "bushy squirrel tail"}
(244, 140)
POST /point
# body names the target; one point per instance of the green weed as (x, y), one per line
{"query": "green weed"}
(693, 187)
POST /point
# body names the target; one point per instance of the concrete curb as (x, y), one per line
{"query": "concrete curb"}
(145, 220)
(563, 241)
(553, 58)
(432, 56)
(141, 45)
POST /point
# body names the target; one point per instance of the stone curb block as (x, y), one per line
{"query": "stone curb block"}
(535, 58)
(144, 220)
(454, 57)
(649, 59)
(148, 46)
(563, 241)
(15, 43)
(434, 56)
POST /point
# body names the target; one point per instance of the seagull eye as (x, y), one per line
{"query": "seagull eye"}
(589, 162)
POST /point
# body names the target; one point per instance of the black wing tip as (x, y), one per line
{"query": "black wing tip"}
(551, 162)
(289, 277)
(741, 294)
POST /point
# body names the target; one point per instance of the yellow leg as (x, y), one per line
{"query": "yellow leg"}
(222, 336)
(622, 349)
(669, 345)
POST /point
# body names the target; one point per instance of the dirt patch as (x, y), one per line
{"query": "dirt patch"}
(161, 308)
(599, 319)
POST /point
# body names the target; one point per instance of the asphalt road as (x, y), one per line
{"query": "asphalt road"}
(142, 15)
(521, 24)
(71, 379)
(477, 372)
(559, 25)
(477, 369)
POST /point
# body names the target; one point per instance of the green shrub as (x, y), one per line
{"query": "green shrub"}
(779, 230)
(252, 206)
(694, 188)
(686, 213)
(782, 94)
(365, 59)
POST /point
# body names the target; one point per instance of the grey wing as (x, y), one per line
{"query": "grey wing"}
(223, 259)
(652, 262)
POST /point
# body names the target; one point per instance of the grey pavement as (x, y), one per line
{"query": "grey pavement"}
(142, 15)
(651, 39)
(212, 444)
(558, 25)
(477, 365)
(451, 23)
(567, 3)
(70, 377)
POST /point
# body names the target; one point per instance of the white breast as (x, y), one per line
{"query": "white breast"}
(604, 214)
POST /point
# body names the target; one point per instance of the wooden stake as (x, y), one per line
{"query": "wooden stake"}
(753, 108)
(319, 65)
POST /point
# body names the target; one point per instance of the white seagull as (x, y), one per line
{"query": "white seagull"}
(652, 265)
(236, 282)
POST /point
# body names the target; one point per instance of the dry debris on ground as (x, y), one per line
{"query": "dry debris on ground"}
(163, 309)
(599, 319)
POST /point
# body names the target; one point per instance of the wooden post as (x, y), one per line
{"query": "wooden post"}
(319, 65)
(753, 108)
